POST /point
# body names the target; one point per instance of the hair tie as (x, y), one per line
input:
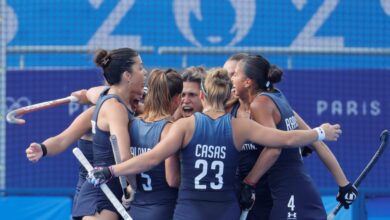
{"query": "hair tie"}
(106, 61)
(267, 84)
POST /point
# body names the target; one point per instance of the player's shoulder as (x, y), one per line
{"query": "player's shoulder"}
(185, 121)
(184, 124)
(113, 103)
(262, 102)
(114, 106)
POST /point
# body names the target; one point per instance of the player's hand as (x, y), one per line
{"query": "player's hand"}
(247, 196)
(99, 175)
(34, 152)
(126, 202)
(82, 96)
(347, 194)
(332, 132)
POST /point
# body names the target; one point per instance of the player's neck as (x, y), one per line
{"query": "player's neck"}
(122, 93)
(214, 112)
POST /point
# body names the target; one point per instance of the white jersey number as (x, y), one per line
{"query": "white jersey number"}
(203, 165)
(148, 185)
(291, 203)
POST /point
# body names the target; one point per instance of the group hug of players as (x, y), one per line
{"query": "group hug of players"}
(198, 145)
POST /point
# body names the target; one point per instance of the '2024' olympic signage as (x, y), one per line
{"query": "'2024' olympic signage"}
(308, 22)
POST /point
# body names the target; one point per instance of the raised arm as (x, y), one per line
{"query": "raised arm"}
(94, 93)
(59, 143)
(164, 149)
(246, 129)
(82, 96)
(326, 155)
(330, 161)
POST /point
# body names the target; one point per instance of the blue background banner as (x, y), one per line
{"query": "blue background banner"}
(48, 54)
(30, 87)
(199, 23)
(346, 97)
(264, 24)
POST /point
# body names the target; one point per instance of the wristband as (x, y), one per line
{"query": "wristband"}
(321, 133)
(112, 171)
(249, 183)
(44, 149)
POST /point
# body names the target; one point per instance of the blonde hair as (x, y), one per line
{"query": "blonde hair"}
(217, 87)
(163, 86)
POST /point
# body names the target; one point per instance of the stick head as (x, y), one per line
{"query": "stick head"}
(12, 118)
(384, 136)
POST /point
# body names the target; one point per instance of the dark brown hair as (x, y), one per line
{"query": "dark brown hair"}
(261, 71)
(115, 63)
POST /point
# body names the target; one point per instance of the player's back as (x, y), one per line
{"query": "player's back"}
(208, 171)
(288, 157)
(144, 136)
(102, 150)
(287, 178)
(92, 199)
(154, 199)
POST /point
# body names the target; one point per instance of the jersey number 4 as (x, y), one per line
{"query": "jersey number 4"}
(203, 165)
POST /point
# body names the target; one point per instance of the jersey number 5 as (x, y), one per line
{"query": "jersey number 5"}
(202, 164)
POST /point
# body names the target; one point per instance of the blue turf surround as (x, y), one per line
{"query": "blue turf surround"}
(29, 207)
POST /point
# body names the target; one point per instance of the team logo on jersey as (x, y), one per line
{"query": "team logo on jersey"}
(242, 16)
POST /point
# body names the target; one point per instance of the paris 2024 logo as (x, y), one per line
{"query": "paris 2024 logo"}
(206, 23)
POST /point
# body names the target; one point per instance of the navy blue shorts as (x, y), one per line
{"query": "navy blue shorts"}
(92, 200)
(295, 196)
(200, 210)
(155, 211)
(158, 204)
(75, 206)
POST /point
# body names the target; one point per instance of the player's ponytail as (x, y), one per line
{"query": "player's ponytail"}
(217, 87)
(162, 87)
(274, 76)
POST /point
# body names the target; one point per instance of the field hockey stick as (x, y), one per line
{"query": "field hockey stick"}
(12, 116)
(244, 214)
(115, 202)
(384, 138)
(115, 150)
